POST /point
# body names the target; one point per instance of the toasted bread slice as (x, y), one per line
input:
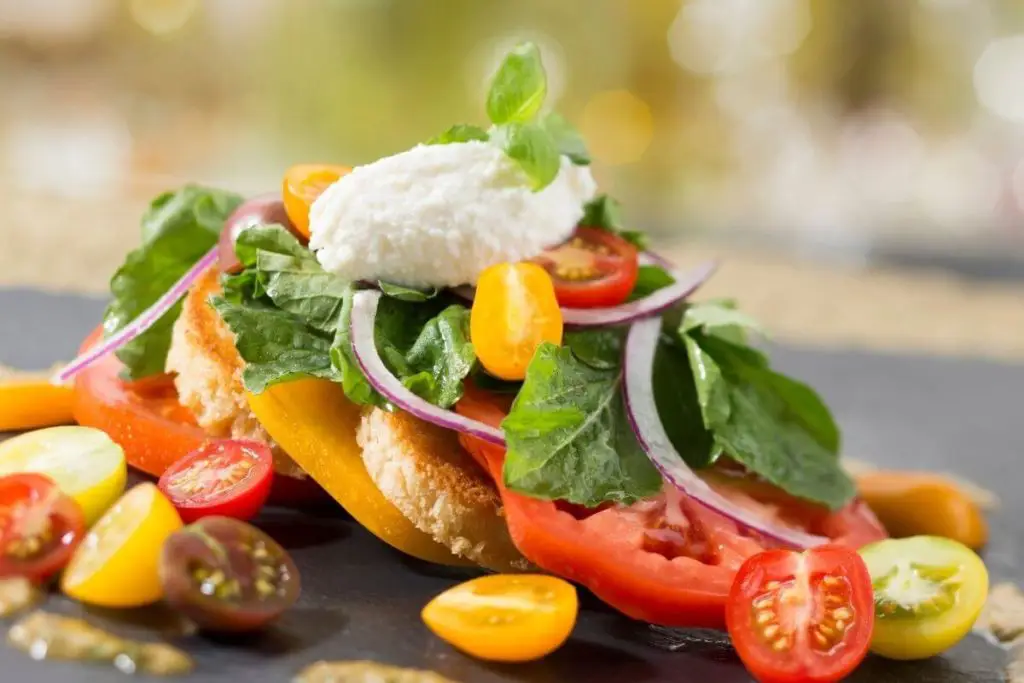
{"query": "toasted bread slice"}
(424, 472)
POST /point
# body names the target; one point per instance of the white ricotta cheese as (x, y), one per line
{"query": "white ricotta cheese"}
(437, 215)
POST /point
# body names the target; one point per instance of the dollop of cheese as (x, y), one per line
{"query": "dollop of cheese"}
(438, 215)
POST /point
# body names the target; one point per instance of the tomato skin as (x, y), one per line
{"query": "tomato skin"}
(790, 651)
(154, 430)
(248, 463)
(604, 553)
(609, 266)
(28, 500)
(301, 186)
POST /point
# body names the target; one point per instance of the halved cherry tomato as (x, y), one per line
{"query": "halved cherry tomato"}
(30, 401)
(227, 575)
(514, 312)
(928, 593)
(665, 560)
(152, 427)
(39, 526)
(228, 478)
(116, 563)
(594, 268)
(505, 617)
(302, 185)
(801, 616)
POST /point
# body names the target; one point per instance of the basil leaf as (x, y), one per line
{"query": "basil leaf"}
(675, 394)
(649, 279)
(605, 212)
(406, 293)
(567, 139)
(177, 229)
(530, 146)
(519, 86)
(775, 426)
(460, 132)
(569, 438)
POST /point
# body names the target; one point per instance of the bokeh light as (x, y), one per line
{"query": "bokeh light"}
(618, 127)
(162, 17)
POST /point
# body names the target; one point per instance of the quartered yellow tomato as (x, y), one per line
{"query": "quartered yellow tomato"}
(84, 462)
(116, 563)
(928, 594)
(505, 617)
(302, 185)
(514, 312)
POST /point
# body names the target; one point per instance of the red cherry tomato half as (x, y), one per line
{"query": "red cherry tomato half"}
(39, 526)
(229, 478)
(801, 616)
(594, 268)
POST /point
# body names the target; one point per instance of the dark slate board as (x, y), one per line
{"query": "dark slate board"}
(361, 600)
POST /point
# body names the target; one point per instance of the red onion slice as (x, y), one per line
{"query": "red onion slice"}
(641, 344)
(364, 311)
(143, 322)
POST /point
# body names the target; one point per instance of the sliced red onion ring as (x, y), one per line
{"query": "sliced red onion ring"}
(364, 311)
(686, 283)
(143, 322)
(641, 344)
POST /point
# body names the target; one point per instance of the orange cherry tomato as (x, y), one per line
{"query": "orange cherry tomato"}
(923, 504)
(505, 617)
(514, 312)
(302, 185)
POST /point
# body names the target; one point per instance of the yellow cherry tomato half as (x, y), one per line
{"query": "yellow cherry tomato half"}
(30, 401)
(302, 185)
(505, 617)
(116, 563)
(514, 312)
(928, 593)
(84, 462)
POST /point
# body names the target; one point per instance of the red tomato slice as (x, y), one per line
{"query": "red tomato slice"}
(594, 268)
(39, 526)
(228, 478)
(802, 616)
(666, 560)
(155, 430)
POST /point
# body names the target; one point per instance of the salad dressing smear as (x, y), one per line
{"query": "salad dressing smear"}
(365, 672)
(16, 594)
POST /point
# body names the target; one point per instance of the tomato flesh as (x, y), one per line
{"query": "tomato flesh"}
(666, 560)
(801, 616)
(594, 268)
(230, 478)
(40, 527)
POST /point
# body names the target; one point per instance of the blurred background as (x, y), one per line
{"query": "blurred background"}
(825, 146)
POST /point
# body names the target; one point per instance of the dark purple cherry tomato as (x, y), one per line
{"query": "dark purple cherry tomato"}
(227, 576)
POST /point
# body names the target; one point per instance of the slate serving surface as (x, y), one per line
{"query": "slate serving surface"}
(361, 600)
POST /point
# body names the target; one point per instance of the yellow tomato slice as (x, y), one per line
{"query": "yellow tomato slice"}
(505, 617)
(316, 425)
(30, 401)
(514, 312)
(302, 185)
(116, 563)
(84, 462)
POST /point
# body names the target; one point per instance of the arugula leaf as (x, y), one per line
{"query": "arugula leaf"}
(775, 426)
(605, 212)
(519, 86)
(567, 139)
(569, 437)
(177, 229)
(530, 146)
(460, 132)
(406, 293)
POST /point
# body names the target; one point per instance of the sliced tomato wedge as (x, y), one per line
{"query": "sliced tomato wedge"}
(39, 526)
(802, 616)
(594, 268)
(152, 427)
(666, 560)
(227, 478)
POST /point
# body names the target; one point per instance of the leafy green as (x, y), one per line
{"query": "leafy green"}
(675, 394)
(460, 132)
(775, 426)
(406, 293)
(605, 212)
(177, 229)
(569, 438)
(567, 139)
(519, 86)
(649, 279)
(598, 347)
(722, 319)
(530, 146)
